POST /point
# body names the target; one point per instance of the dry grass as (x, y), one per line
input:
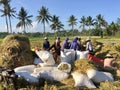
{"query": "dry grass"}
(83, 65)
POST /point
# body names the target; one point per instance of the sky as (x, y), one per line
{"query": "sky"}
(109, 9)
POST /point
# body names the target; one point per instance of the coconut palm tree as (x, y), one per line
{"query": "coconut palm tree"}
(56, 24)
(72, 21)
(5, 4)
(11, 13)
(100, 22)
(59, 27)
(113, 28)
(24, 19)
(82, 22)
(118, 23)
(44, 17)
(6, 18)
(89, 22)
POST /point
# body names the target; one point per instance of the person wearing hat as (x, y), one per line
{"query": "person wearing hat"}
(89, 45)
(46, 44)
(108, 62)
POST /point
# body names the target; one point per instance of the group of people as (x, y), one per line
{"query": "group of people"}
(75, 44)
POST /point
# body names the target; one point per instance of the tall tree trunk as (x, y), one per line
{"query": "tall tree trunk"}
(24, 29)
(44, 29)
(10, 24)
(54, 34)
(89, 30)
(58, 33)
(72, 30)
(7, 23)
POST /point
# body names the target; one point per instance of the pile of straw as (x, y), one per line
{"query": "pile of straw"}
(110, 85)
(15, 51)
(83, 65)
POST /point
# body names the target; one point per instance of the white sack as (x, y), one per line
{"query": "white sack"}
(28, 76)
(82, 80)
(68, 55)
(51, 73)
(45, 65)
(28, 68)
(37, 60)
(82, 54)
(67, 70)
(46, 57)
(38, 70)
(98, 76)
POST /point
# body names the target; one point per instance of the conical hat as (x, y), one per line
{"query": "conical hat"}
(108, 56)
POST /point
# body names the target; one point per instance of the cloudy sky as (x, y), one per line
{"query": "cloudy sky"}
(64, 9)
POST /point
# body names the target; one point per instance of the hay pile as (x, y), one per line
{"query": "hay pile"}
(83, 65)
(110, 85)
(15, 51)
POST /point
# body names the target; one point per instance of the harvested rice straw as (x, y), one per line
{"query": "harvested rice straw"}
(110, 85)
(15, 51)
(69, 81)
(83, 65)
(63, 67)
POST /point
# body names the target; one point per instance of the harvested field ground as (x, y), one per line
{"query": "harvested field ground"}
(107, 45)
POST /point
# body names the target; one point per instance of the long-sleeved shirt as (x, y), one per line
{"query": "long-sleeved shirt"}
(56, 47)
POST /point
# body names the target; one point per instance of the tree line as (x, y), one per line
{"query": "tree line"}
(97, 26)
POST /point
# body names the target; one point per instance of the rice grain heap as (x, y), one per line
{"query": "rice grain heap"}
(15, 51)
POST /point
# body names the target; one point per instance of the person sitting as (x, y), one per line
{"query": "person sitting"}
(108, 62)
(95, 59)
(57, 49)
(66, 44)
(46, 44)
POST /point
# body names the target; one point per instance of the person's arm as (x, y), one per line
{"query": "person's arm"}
(51, 47)
(63, 47)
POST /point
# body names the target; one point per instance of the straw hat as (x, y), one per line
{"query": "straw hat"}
(45, 38)
(108, 56)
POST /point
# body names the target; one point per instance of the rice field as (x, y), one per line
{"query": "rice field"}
(107, 45)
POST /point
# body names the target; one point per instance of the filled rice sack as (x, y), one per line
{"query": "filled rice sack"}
(51, 73)
(46, 57)
(82, 80)
(28, 68)
(65, 67)
(28, 76)
(37, 60)
(44, 65)
(82, 54)
(68, 56)
(99, 76)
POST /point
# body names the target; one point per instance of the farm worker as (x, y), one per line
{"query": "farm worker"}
(57, 49)
(89, 45)
(74, 44)
(81, 47)
(36, 48)
(66, 44)
(46, 44)
(96, 59)
(108, 61)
